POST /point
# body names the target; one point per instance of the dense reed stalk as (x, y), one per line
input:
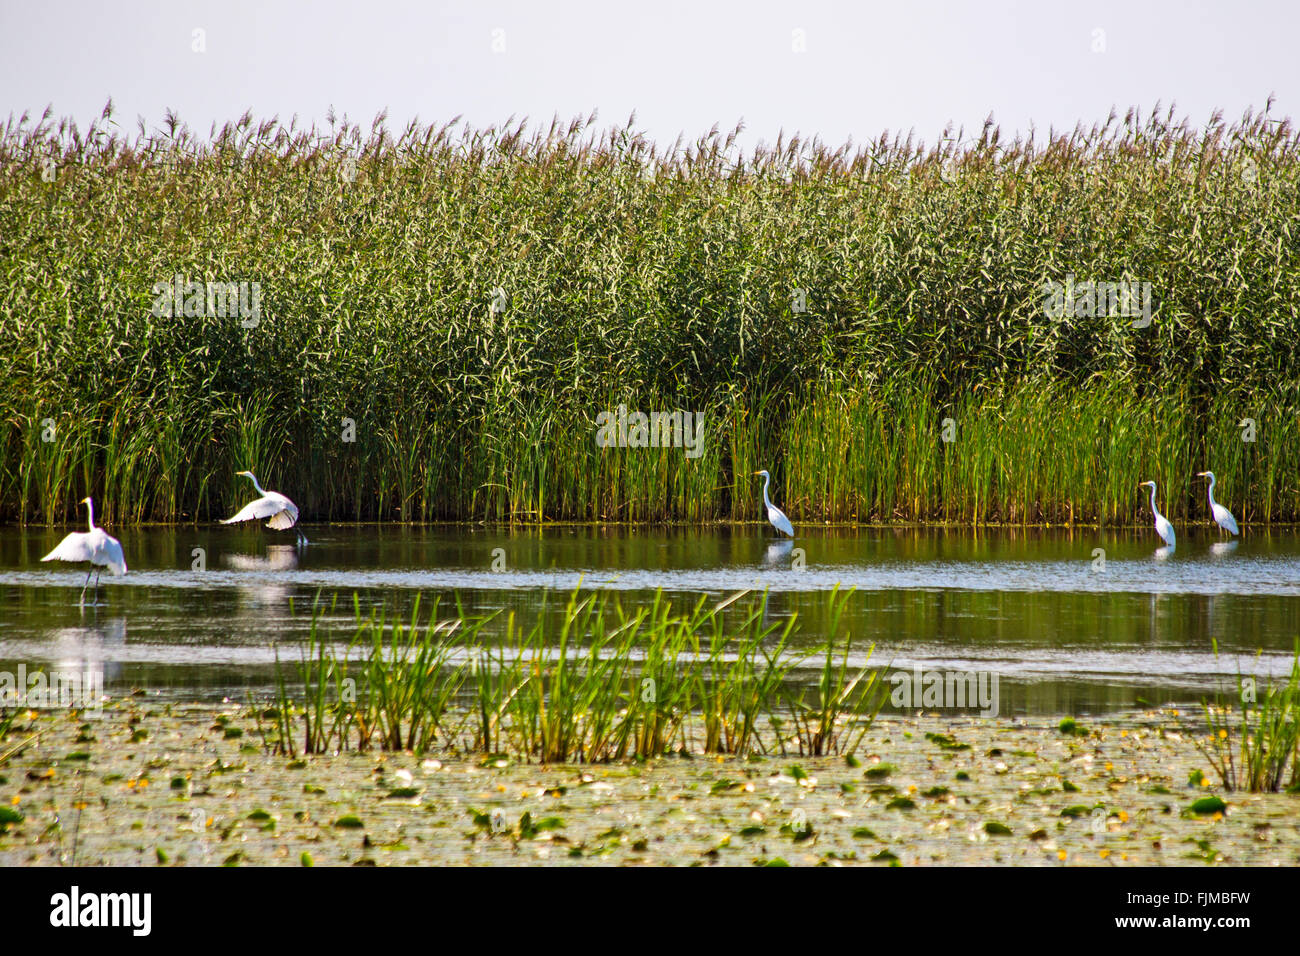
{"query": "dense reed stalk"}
(595, 684)
(442, 313)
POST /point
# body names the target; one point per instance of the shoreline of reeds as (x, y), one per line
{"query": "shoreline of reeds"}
(443, 313)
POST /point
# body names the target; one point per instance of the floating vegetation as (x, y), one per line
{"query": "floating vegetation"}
(597, 683)
(661, 811)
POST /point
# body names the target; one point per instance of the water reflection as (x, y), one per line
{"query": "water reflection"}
(1064, 633)
(278, 557)
(777, 554)
(259, 587)
(93, 646)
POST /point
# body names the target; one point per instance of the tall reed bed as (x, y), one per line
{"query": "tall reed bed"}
(1035, 452)
(597, 683)
(442, 312)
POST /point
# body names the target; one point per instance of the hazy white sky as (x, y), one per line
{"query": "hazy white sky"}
(834, 70)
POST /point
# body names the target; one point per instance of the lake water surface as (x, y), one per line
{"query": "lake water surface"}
(1067, 629)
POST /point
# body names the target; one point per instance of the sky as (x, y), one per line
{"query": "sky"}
(833, 70)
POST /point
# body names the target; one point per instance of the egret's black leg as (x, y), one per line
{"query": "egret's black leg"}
(97, 586)
(86, 585)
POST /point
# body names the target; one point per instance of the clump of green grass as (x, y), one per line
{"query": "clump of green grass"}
(836, 718)
(595, 683)
(1258, 750)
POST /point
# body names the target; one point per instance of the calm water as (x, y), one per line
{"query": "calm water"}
(1064, 634)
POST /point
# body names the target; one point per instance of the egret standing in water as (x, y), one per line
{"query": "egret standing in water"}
(97, 546)
(774, 514)
(1222, 516)
(1163, 527)
(282, 512)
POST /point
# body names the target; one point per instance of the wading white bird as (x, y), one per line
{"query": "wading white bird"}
(282, 512)
(1163, 527)
(774, 514)
(97, 546)
(1222, 516)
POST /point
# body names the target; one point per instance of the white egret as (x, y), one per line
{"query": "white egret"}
(282, 512)
(97, 546)
(1222, 516)
(1163, 527)
(774, 514)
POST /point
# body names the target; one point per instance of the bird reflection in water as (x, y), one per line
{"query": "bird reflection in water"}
(92, 647)
(778, 554)
(279, 558)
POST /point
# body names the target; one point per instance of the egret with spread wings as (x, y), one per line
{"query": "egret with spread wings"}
(96, 546)
(282, 512)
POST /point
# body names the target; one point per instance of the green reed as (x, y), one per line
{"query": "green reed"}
(596, 682)
(827, 308)
(1034, 453)
(1254, 749)
(846, 702)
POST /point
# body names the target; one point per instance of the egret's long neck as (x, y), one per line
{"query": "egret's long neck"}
(766, 500)
(1212, 481)
(1154, 510)
(259, 488)
(90, 513)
